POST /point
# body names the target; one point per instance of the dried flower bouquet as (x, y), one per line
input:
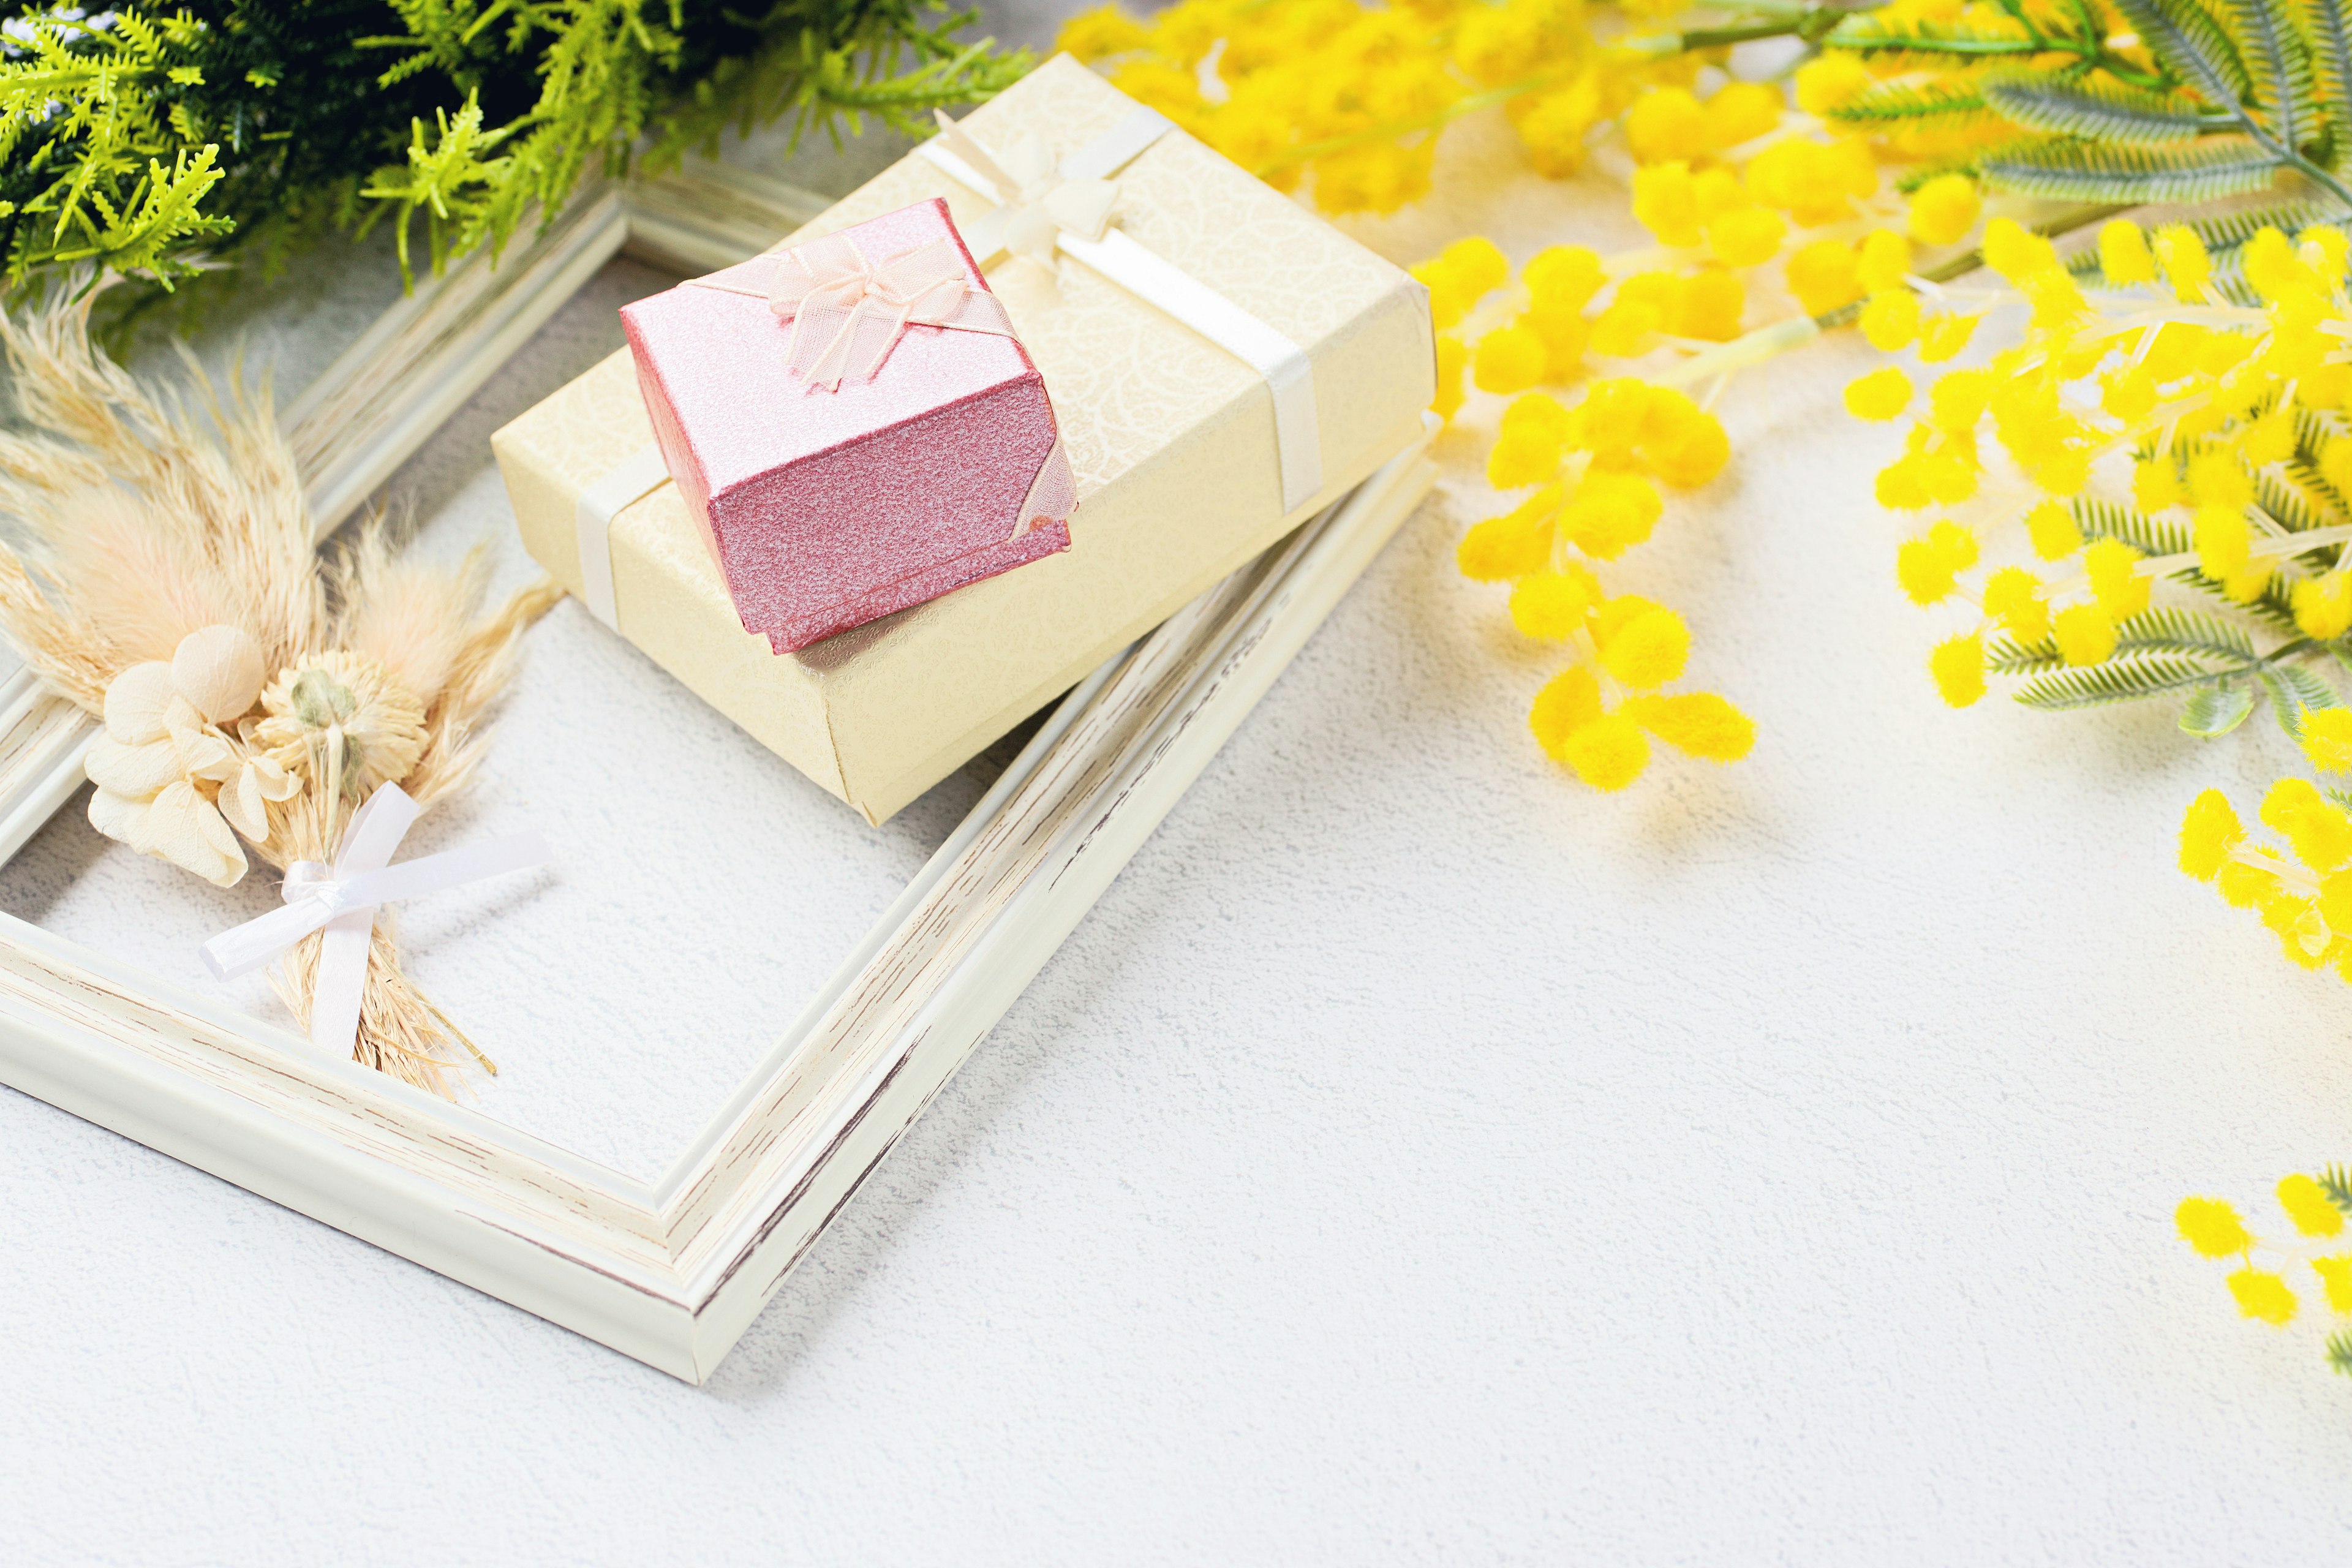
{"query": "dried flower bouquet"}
(160, 574)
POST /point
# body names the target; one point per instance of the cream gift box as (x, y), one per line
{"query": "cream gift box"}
(1189, 458)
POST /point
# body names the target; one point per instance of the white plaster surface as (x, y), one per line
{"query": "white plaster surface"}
(1414, 1158)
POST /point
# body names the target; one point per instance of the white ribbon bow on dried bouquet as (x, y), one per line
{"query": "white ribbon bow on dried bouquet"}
(255, 695)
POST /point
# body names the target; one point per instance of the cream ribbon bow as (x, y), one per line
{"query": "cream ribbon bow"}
(829, 291)
(848, 312)
(1038, 200)
(342, 901)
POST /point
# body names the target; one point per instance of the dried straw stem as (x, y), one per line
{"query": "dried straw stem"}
(484, 664)
(401, 1032)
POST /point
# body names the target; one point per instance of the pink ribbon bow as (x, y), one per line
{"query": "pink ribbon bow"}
(847, 311)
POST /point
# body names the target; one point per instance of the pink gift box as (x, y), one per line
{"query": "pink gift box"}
(823, 508)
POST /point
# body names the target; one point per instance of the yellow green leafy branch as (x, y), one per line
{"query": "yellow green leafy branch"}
(139, 142)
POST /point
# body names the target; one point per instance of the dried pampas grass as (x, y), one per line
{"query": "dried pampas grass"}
(160, 554)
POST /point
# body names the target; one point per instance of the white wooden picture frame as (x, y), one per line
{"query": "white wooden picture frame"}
(670, 1271)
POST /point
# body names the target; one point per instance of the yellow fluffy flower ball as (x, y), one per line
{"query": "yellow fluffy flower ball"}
(1882, 261)
(1699, 723)
(2051, 530)
(1882, 394)
(1830, 80)
(2209, 831)
(2262, 1296)
(2012, 595)
(1891, 320)
(1608, 753)
(1930, 566)
(1649, 649)
(2118, 586)
(2123, 256)
(2327, 739)
(1519, 541)
(1958, 666)
(2323, 605)
(1944, 210)
(2211, 1227)
(1106, 30)
(1668, 124)
(1825, 276)
(2308, 1206)
(2085, 634)
(1511, 359)
(2335, 1277)
(1551, 607)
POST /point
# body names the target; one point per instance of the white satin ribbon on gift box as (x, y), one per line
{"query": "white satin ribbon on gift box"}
(1042, 206)
(341, 903)
(641, 473)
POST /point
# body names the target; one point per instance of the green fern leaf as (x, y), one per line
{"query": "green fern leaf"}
(2308, 689)
(1942, 104)
(2215, 711)
(2283, 707)
(2313, 431)
(2339, 1350)
(2336, 1180)
(2059, 105)
(2097, 518)
(1919, 174)
(2328, 25)
(2232, 230)
(2284, 505)
(2007, 656)
(2168, 629)
(2294, 691)
(2069, 171)
(2191, 43)
(2117, 680)
(1930, 42)
(2272, 605)
(2154, 646)
(2278, 63)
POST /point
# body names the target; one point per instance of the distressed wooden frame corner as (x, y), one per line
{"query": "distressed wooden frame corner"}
(673, 1271)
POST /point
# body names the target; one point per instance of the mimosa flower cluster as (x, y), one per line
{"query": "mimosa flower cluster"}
(1351, 98)
(1733, 185)
(2264, 1284)
(1757, 205)
(1591, 470)
(2153, 430)
(2303, 890)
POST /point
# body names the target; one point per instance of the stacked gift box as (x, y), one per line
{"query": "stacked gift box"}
(883, 492)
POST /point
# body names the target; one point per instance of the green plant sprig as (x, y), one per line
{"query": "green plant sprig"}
(148, 145)
(2241, 93)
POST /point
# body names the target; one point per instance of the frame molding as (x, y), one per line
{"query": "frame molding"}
(671, 1272)
(674, 1272)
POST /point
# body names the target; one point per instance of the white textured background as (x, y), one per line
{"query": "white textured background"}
(1414, 1158)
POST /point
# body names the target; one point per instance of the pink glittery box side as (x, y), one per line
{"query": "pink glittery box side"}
(827, 509)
